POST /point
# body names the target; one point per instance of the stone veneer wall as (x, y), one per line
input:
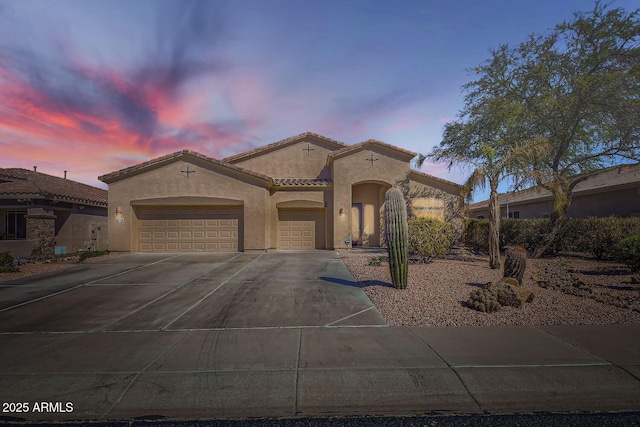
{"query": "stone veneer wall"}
(41, 228)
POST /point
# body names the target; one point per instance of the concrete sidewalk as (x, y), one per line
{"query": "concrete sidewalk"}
(287, 372)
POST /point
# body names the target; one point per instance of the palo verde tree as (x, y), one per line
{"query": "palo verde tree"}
(571, 100)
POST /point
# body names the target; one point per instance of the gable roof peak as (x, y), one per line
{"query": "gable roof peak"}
(364, 144)
(284, 142)
(169, 158)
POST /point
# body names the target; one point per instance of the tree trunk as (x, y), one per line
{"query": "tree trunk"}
(547, 237)
(562, 200)
(494, 230)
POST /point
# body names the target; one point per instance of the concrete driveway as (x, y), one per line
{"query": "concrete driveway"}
(277, 335)
(172, 292)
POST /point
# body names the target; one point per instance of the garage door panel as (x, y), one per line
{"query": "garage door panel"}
(301, 229)
(186, 229)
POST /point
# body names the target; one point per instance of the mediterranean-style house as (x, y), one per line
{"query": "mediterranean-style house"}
(43, 214)
(304, 192)
(614, 191)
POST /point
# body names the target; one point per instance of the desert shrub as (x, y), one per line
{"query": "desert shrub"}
(476, 234)
(377, 261)
(628, 251)
(91, 254)
(6, 263)
(429, 237)
(522, 232)
(597, 236)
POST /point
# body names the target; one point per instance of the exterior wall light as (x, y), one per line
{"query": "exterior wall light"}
(119, 217)
(341, 211)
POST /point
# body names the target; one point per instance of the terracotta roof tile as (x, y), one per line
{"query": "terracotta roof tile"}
(435, 178)
(602, 181)
(241, 156)
(18, 182)
(302, 182)
(169, 157)
(364, 144)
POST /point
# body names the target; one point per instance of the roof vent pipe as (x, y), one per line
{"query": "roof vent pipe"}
(35, 169)
(65, 174)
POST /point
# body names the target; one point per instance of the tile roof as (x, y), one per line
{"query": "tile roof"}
(435, 178)
(269, 147)
(23, 183)
(302, 182)
(363, 145)
(174, 156)
(604, 180)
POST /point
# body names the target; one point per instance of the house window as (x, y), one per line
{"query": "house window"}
(480, 216)
(514, 214)
(428, 207)
(15, 225)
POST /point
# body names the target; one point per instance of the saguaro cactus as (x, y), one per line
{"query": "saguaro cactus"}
(515, 261)
(396, 231)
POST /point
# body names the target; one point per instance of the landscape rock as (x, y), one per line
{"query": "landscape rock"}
(510, 294)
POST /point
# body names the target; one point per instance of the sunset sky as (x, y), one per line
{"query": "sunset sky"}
(93, 86)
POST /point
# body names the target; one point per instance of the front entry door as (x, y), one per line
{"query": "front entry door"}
(356, 224)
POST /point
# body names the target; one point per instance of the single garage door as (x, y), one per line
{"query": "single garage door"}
(189, 229)
(301, 229)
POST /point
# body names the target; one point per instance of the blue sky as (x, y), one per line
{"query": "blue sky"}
(93, 86)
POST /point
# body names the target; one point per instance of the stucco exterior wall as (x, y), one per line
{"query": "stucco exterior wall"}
(167, 181)
(293, 161)
(75, 230)
(623, 203)
(453, 202)
(353, 168)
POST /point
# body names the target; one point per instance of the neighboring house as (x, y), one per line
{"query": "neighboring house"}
(42, 214)
(304, 192)
(611, 191)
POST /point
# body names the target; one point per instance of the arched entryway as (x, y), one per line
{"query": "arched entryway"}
(367, 201)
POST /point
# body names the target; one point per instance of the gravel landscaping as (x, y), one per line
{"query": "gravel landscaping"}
(437, 292)
(567, 290)
(49, 266)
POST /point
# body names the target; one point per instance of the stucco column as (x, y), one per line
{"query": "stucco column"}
(41, 228)
(342, 223)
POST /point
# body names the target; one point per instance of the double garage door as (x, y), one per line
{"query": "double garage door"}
(301, 229)
(189, 229)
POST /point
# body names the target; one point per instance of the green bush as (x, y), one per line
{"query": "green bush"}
(6, 263)
(522, 232)
(628, 251)
(476, 234)
(593, 235)
(91, 254)
(429, 237)
(599, 236)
